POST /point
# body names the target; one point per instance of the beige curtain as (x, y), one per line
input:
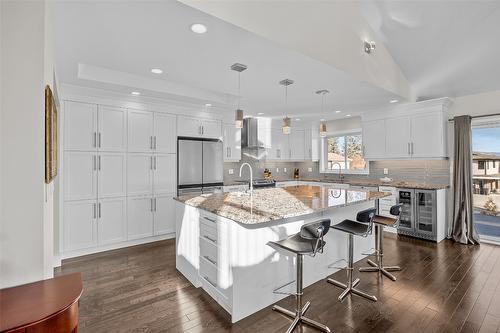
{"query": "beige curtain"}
(463, 229)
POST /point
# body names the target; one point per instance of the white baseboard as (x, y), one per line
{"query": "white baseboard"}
(78, 253)
(57, 261)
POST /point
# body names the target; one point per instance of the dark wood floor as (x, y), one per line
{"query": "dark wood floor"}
(442, 288)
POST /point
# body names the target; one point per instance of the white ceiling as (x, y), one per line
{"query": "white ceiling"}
(117, 43)
(444, 48)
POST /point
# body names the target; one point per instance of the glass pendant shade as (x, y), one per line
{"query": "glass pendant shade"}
(322, 130)
(238, 118)
(286, 125)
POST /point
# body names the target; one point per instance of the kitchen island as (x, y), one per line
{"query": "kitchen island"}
(221, 240)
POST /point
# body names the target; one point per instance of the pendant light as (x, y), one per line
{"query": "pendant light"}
(286, 128)
(322, 125)
(238, 115)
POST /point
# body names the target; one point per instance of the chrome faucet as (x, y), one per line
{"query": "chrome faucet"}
(251, 175)
(341, 176)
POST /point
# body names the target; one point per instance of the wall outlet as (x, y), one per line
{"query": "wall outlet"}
(386, 171)
(231, 171)
(277, 170)
(310, 169)
(284, 170)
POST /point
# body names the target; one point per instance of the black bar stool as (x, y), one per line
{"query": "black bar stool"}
(361, 227)
(308, 241)
(380, 222)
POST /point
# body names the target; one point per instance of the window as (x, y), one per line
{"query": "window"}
(480, 165)
(344, 150)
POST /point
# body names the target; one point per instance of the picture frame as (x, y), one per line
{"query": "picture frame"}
(51, 136)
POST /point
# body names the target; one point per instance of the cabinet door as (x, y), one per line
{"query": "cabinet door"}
(140, 131)
(397, 137)
(80, 126)
(139, 217)
(374, 139)
(139, 174)
(425, 211)
(80, 175)
(232, 143)
(164, 173)
(211, 129)
(79, 225)
(111, 174)
(296, 145)
(165, 140)
(164, 219)
(308, 144)
(112, 124)
(190, 127)
(428, 135)
(111, 222)
(276, 151)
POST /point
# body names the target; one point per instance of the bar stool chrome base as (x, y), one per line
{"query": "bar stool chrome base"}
(379, 253)
(299, 317)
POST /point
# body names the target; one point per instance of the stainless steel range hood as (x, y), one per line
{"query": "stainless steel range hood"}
(250, 134)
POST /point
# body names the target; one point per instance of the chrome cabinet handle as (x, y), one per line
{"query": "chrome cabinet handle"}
(210, 260)
(99, 140)
(209, 219)
(99, 209)
(155, 204)
(408, 148)
(94, 166)
(411, 146)
(154, 159)
(151, 204)
(151, 162)
(210, 239)
(208, 280)
(154, 140)
(151, 142)
(202, 129)
(99, 162)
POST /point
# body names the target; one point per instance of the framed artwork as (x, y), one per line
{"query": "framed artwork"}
(50, 136)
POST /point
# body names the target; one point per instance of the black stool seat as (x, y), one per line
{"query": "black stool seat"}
(298, 244)
(352, 227)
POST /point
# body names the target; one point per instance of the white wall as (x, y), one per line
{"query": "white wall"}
(26, 233)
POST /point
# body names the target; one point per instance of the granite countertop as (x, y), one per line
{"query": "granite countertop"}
(375, 182)
(271, 204)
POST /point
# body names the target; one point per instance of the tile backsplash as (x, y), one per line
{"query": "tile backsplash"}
(427, 171)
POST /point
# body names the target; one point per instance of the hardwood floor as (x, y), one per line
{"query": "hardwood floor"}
(443, 288)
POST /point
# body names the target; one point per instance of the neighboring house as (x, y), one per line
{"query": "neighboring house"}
(486, 172)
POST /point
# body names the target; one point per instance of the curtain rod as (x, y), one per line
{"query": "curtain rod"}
(481, 116)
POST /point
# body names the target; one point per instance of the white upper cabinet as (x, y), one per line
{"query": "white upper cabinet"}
(165, 134)
(415, 130)
(111, 170)
(164, 173)
(397, 137)
(140, 131)
(194, 127)
(80, 175)
(140, 174)
(232, 143)
(111, 220)
(112, 129)
(277, 150)
(374, 139)
(297, 145)
(311, 145)
(80, 126)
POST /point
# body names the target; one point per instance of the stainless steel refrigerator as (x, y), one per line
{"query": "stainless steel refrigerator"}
(200, 167)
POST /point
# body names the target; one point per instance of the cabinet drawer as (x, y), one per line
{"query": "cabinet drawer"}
(208, 221)
(208, 234)
(384, 206)
(208, 271)
(387, 189)
(389, 201)
(209, 251)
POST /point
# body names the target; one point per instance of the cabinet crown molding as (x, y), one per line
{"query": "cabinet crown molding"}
(406, 109)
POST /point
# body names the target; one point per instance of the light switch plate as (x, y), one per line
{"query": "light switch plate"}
(231, 171)
(284, 170)
(386, 171)
(277, 170)
(310, 169)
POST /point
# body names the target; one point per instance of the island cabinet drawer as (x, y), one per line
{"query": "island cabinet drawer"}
(210, 279)
(387, 201)
(209, 251)
(209, 234)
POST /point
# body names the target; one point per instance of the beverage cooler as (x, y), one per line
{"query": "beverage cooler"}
(418, 214)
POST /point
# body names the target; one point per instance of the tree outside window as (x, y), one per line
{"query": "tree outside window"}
(346, 150)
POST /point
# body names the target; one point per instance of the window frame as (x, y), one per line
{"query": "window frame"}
(324, 153)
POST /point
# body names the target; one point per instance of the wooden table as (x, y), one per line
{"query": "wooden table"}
(44, 306)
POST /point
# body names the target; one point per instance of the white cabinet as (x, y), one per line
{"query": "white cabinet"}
(296, 148)
(164, 170)
(427, 135)
(232, 143)
(80, 176)
(194, 127)
(139, 217)
(140, 131)
(111, 174)
(279, 145)
(165, 134)
(139, 174)
(311, 145)
(111, 220)
(112, 129)
(80, 126)
(79, 225)
(374, 138)
(397, 139)
(164, 221)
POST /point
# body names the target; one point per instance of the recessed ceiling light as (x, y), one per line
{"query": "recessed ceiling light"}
(135, 93)
(208, 105)
(338, 111)
(347, 115)
(297, 119)
(392, 101)
(322, 119)
(260, 113)
(156, 71)
(198, 28)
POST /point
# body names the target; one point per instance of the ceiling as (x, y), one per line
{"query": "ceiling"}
(444, 48)
(113, 45)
